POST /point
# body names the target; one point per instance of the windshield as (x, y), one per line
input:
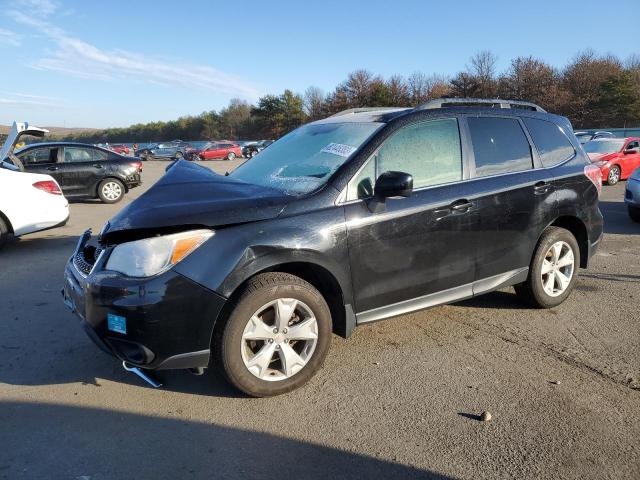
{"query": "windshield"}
(303, 160)
(583, 137)
(603, 146)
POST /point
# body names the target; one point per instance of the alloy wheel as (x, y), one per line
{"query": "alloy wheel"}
(614, 175)
(111, 191)
(557, 269)
(279, 339)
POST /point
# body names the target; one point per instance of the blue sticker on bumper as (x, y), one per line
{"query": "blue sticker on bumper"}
(116, 323)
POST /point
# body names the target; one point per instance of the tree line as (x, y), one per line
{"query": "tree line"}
(593, 91)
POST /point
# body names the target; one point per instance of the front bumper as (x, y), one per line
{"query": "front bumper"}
(169, 318)
(632, 192)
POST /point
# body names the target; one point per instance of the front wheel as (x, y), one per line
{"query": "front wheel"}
(553, 269)
(614, 175)
(634, 213)
(110, 190)
(276, 337)
(4, 232)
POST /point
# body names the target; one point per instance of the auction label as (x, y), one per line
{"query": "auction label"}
(339, 149)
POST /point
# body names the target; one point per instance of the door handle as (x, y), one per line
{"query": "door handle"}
(541, 187)
(461, 206)
(52, 169)
(97, 165)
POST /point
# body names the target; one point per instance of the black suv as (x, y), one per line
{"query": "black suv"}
(83, 170)
(359, 217)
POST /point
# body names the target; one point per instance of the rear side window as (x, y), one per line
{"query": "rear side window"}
(499, 145)
(77, 154)
(553, 145)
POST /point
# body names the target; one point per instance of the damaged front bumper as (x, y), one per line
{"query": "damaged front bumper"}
(161, 322)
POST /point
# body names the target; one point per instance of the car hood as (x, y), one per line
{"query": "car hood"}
(596, 157)
(192, 195)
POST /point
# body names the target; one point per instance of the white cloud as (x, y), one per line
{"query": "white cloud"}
(9, 38)
(75, 57)
(41, 8)
(23, 100)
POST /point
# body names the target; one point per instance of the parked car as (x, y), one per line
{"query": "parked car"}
(355, 218)
(121, 149)
(616, 157)
(163, 151)
(29, 202)
(584, 137)
(216, 150)
(252, 149)
(632, 195)
(84, 170)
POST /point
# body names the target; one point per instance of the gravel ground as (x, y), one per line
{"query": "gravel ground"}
(399, 399)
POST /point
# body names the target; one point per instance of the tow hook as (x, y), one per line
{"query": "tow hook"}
(145, 376)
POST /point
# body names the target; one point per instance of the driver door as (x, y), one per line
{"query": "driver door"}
(416, 249)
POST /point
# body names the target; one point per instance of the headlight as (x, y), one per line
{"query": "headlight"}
(600, 163)
(150, 256)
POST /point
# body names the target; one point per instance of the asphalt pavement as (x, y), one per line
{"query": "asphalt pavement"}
(399, 399)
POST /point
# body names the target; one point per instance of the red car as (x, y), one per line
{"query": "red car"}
(121, 149)
(225, 150)
(616, 157)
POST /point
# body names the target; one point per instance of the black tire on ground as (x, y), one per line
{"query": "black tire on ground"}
(230, 156)
(532, 291)
(4, 232)
(614, 175)
(634, 213)
(179, 155)
(228, 343)
(108, 190)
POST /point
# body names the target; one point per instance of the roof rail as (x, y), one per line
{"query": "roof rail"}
(470, 102)
(365, 109)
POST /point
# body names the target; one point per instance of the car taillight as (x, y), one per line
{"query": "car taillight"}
(48, 186)
(138, 165)
(594, 174)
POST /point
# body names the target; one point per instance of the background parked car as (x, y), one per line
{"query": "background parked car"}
(84, 170)
(226, 150)
(632, 195)
(165, 151)
(584, 137)
(29, 202)
(616, 157)
(252, 149)
(120, 148)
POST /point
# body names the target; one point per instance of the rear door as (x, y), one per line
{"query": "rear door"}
(514, 199)
(80, 170)
(415, 246)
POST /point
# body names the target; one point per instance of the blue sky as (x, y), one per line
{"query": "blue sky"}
(114, 63)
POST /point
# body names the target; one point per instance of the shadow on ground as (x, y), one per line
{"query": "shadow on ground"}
(56, 441)
(616, 219)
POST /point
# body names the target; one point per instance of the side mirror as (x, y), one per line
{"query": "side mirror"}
(393, 184)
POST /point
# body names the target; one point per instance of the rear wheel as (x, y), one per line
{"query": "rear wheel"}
(179, 155)
(4, 232)
(634, 213)
(553, 269)
(231, 156)
(110, 190)
(614, 175)
(276, 337)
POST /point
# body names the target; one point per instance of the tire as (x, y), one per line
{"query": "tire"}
(230, 156)
(634, 213)
(614, 175)
(533, 291)
(179, 155)
(253, 153)
(236, 354)
(111, 190)
(4, 232)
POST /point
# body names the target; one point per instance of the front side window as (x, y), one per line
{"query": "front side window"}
(633, 145)
(77, 154)
(553, 145)
(499, 146)
(38, 155)
(305, 159)
(429, 151)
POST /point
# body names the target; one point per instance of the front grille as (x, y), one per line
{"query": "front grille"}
(85, 259)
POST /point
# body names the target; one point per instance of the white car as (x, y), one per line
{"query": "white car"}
(29, 202)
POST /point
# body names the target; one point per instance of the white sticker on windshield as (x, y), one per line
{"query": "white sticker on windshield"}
(339, 149)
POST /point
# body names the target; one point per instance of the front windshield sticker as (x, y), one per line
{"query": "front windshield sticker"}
(339, 149)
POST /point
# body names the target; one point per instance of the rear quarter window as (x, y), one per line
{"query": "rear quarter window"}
(551, 142)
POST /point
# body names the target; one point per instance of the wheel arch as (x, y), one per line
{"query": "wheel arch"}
(6, 220)
(579, 230)
(109, 177)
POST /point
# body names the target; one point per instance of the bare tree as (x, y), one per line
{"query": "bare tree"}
(314, 103)
(483, 69)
